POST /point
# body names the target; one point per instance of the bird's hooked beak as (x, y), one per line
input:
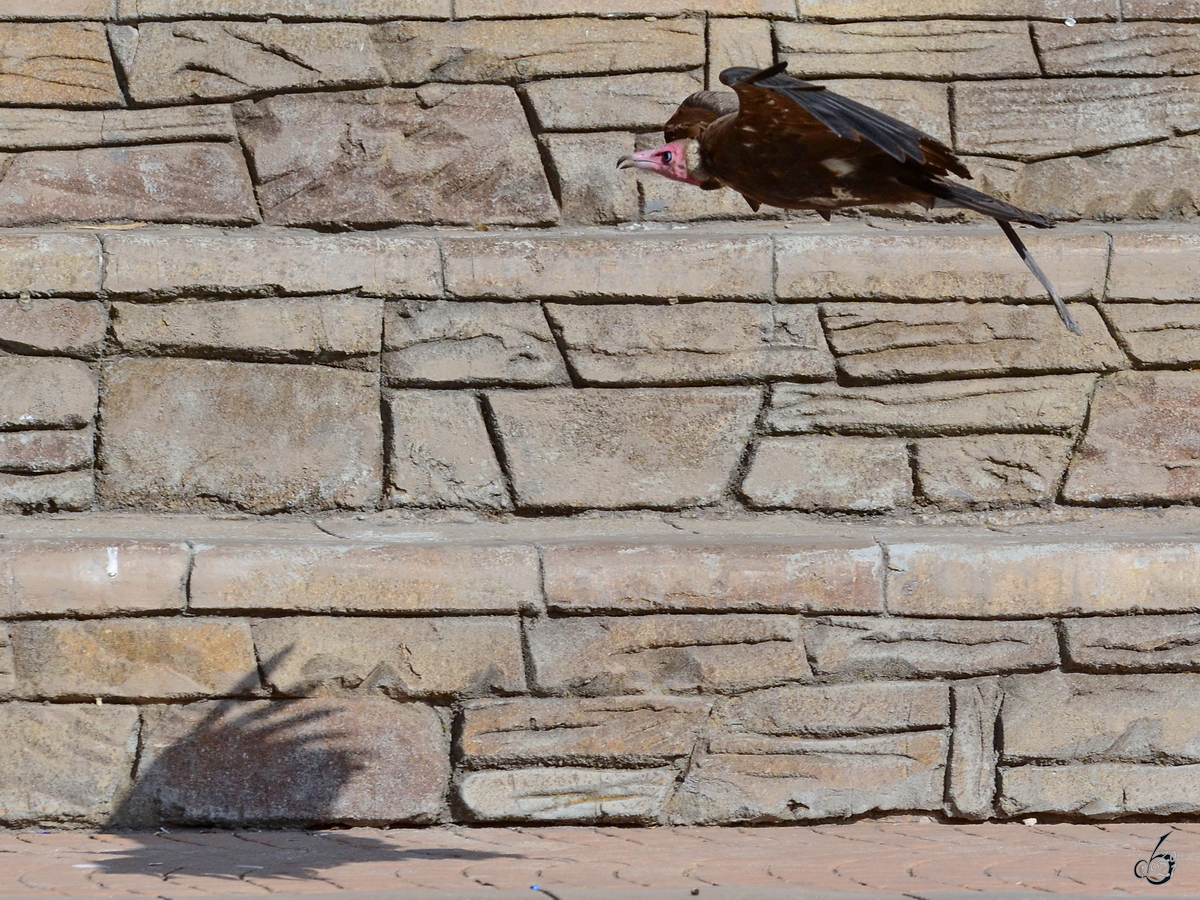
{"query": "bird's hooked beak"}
(670, 161)
(644, 159)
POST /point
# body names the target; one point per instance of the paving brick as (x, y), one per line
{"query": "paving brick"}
(40, 452)
(58, 492)
(991, 470)
(366, 10)
(47, 324)
(850, 474)
(610, 102)
(1124, 48)
(591, 190)
(829, 710)
(90, 577)
(566, 795)
(1100, 790)
(815, 575)
(412, 578)
(455, 657)
(1154, 265)
(595, 656)
(45, 392)
(49, 264)
(852, 10)
(617, 449)
(738, 42)
(1133, 643)
(471, 9)
(971, 786)
(256, 436)
(78, 73)
(151, 659)
(30, 128)
(1158, 334)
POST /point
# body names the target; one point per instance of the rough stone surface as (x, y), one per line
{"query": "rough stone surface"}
(830, 710)
(437, 154)
(610, 102)
(1050, 403)
(917, 648)
(610, 730)
(831, 473)
(68, 327)
(1101, 790)
(1162, 9)
(441, 454)
(1126, 643)
(46, 393)
(152, 659)
(72, 764)
(50, 263)
(1158, 334)
(737, 42)
(182, 62)
(47, 493)
(818, 575)
(460, 343)
(40, 452)
(8, 678)
(30, 129)
(334, 760)
(612, 448)
(591, 189)
(595, 656)
(692, 343)
(65, 64)
(391, 578)
(567, 795)
(456, 657)
(1125, 48)
(293, 9)
(991, 470)
(1155, 265)
(775, 9)
(39, 10)
(971, 787)
(255, 436)
(852, 10)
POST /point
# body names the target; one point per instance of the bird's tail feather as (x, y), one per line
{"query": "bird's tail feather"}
(950, 193)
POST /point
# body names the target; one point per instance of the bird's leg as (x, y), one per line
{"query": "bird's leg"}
(1023, 252)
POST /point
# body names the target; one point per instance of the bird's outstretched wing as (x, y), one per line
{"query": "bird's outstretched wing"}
(697, 112)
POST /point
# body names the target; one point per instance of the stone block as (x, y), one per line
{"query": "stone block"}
(1155, 265)
(1161, 9)
(46, 493)
(643, 101)
(412, 578)
(605, 731)
(30, 128)
(920, 648)
(825, 574)
(971, 786)
(991, 469)
(591, 189)
(1049, 403)
(855, 10)
(658, 266)
(1158, 334)
(738, 42)
(61, 64)
(595, 656)
(47, 324)
(440, 154)
(191, 433)
(46, 392)
(849, 474)
(441, 453)
(622, 448)
(1100, 790)
(299, 762)
(50, 264)
(182, 62)
(509, 51)
(177, 262)
(504, 9)
(8, 678)
(598, 796)
(91, 577)
(1122, 48)
(39, 10)
(828, 710)
(927, 263)
(931, 49)
(72, 762)
(41, 452)
(816, 779)
(1133, 643)
(460, 343)
(692, 343)
(366, 10)
(922, 104)
(147, 659)
(336, 329)
(440, 657)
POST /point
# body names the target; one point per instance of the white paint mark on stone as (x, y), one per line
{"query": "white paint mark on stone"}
(113, 565)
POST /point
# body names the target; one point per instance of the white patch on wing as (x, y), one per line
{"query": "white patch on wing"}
(840, 167)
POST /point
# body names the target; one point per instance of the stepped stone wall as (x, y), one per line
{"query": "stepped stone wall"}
(373, 451)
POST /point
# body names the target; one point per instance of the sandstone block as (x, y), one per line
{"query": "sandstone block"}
(816, 575)
(412, 578)
(471, 51)
(993, 469)
(567, 795)
(1155, 265)
(1162, 9)
(971, 787)
(610, 102)
(8, 678)
(441, 454)
(932, 49)
(435, 155)
(1159, 334)
(919, 648)
(68, 327)
(591, 189)
(829, 710)
(256, 436)
(50, 263)
(45, 392)
(595, 656)
(40, 452)
(64, 9)
(150, 659)
(366, 10)
(853, 10)
(737, 42)
(62, 64)
(1124, 48)
(658, 266)
(440, 657)
(29, 128)
(1101, 790)
(304, 761)
(469, 343)
(72, 764)
(1133, 643)
(831, 473)
(622, 448)
(91, 577)
(692, 343)
(46, 493)
(775, 9)
(1050, 403)
(609, 730)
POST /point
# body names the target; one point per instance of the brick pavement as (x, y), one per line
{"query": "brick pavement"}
(916, 859)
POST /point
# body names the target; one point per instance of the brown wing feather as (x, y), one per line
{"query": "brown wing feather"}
(697, 112)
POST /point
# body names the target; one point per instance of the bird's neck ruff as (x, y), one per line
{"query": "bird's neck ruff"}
(691, 158)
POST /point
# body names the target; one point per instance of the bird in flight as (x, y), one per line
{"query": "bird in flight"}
(784, 142)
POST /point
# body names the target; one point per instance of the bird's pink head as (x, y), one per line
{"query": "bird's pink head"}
(669, 160)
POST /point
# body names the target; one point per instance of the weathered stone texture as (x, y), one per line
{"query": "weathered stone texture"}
(66, 64)
(292, 9)
(1158, 334)
(971, 787)
(72, 762)
(1161, 9)
(614, 448)
(437, 154)
(591, 189)
(610, 102)
(458, 657)
(46, 392)
(441, 454)
(830, 710)
(1050, 403)
(737, 42)
(152, 659)
(8, 678)
(567, 795)
(40, 452)
(933, 49)
(28, 129)
(1128, 643)
(61, 9)
(595, 656)
(463, 343)
(68, 327)
(775, 9)
(1125, 48)
(994, 469)
(1101, 790)
(832, 473)
(50, 263)
(852, 10)
(47, 493)
(1155, 265)
(181, 433)
(692, 343)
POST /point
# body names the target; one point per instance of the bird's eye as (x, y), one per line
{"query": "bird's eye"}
(668, 156)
